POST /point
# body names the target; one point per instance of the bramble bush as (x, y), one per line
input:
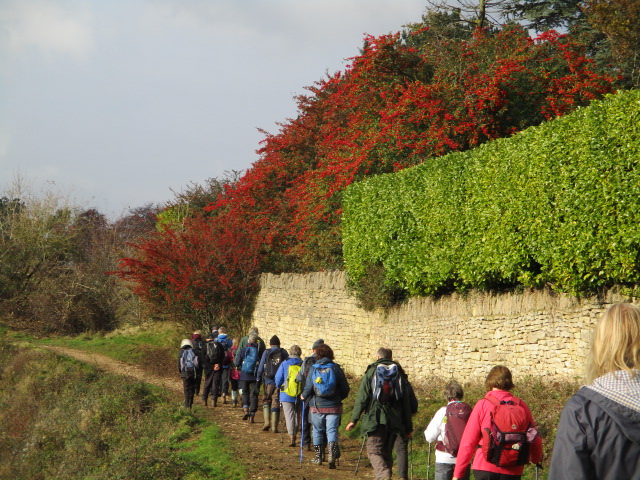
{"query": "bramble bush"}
(555, 205)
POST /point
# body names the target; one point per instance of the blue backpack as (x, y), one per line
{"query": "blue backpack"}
(386, 383)
(250, 360)
(324, 379)
(188, 363)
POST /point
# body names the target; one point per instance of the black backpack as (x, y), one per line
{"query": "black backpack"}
(197, 347)
(215, 352)
(272, 362)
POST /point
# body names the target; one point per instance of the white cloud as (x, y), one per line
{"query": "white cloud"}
(45, 25)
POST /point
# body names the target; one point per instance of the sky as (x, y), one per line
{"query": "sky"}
(121, 103)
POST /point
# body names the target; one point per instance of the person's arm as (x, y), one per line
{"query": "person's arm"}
(307, 392)
(281, 374)
(262, 362)
(362, 398)
(571, 458)
(433, 430)
(343, 385)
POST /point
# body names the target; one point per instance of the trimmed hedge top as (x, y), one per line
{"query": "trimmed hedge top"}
(557, 204)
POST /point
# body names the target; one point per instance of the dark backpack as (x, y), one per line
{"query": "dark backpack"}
(188, 363)
(507, 442)
(386, 383)
(250, 360)
(272, 363)
(455, 419)
(215, 352)
(324, 379)
(197, 346)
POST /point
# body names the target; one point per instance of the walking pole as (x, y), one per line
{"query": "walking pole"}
(302, 434)
(411, 458)
(364, 438)
(429, 461)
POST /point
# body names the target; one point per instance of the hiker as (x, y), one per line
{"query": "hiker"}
(198, 347)
(213, 358)
(598, 437)
(187, 364)
(447, 427)
(325, 388)
(247, 361)
(290, 390)
(244, 340)
(234, 374)
(401, 445)
(227, 343)
(487, 414)
(305, 420)
(267, 369)
(383, 403)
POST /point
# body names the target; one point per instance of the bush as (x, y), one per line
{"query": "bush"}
(554, 205)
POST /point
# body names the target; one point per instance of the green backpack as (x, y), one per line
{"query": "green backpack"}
(293, 388)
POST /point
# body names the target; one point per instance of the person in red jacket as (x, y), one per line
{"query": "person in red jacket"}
(498, 384)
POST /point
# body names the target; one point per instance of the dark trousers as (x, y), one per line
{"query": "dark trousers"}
(250, 395)
(225, 381)
(306, 425)
(380, 452)
(198, 380)
(271, 397)
(212, 384)
(402, 456)
(188, 385)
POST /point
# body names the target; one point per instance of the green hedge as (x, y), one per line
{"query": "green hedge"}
(556, 205)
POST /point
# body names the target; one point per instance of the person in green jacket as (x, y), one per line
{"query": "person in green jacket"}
(383, 406)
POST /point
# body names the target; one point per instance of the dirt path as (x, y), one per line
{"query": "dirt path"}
(265, 455)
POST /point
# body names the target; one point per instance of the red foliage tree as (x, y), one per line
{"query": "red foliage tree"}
(202, 273)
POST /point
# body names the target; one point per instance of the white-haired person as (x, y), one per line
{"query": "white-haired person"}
(598, 437)
(187, 365)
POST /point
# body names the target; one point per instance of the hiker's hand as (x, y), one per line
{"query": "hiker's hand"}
(216, 367)
(350, 426)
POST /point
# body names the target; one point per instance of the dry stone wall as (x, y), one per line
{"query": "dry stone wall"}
(533, 333)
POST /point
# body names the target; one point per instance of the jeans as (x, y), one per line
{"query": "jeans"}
(325, 425)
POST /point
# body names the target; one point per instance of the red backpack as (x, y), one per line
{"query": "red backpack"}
(507, 442)
(455, 419)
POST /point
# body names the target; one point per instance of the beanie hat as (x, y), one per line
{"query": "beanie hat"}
(274, 340)
(317, 343)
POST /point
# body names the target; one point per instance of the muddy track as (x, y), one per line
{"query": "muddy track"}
(265, 454)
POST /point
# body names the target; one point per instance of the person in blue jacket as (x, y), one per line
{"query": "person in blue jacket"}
(325, 402)
(269, 364)
(287, 383)
(247, 363)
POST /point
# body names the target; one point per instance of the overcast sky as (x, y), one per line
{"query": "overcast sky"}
(119, 102)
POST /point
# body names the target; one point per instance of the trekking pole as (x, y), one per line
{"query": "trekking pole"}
(302, 434)
(364, 438)
(411, 458)
(428, 460)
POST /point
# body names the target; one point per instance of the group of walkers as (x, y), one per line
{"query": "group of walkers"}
(598, 436)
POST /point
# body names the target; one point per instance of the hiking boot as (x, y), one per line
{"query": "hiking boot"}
(292, 440)
(215, 402)
(317, 460)
(275, 419)
(246, 413)
(333, 454)
(224, 399)
(234, 398)
(251, 418)
(265, 415)
(204, 401)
